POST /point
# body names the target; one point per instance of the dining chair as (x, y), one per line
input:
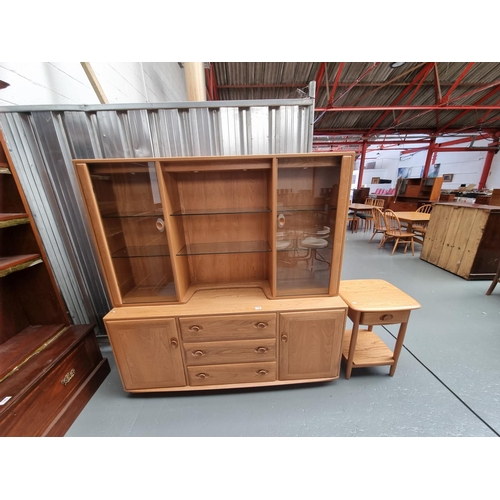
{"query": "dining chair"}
(394, 231)
(378, 222)
(426, 209)
(420, 228)
(352, 221)
(312, 241)
(366, 215)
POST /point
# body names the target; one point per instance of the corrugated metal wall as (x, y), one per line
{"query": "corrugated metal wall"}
(43, 141)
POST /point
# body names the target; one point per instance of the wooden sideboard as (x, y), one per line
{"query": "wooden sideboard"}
(223, 271)
(227, 338)
(464, 239)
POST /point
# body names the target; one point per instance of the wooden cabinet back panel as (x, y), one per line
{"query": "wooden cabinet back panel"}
(240, 326)
(241, 351)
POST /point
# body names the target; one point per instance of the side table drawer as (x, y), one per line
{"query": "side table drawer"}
(384, 317)
(207, 328)
(241, 351)
(232, 374)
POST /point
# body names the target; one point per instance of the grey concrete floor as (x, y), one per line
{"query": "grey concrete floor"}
(447, 382)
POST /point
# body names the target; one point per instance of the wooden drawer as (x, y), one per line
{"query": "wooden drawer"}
(206, 328)
(55, 389)
(243, 373)
(241, 351)
(384, 318)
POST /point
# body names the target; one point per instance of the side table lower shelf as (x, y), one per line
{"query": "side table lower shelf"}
(371, 350)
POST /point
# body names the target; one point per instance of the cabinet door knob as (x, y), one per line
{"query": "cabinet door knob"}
(261, 325)
(195, 328)
(160, 225)
(386, 317)
(262, 350)
(198, 353)
(262, 372)
(284, 338)
(174, 342)
(201, 375)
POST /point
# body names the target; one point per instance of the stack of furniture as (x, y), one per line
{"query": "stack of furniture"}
(464, 239)
(49, 369)
(412, 193)
(223, 271)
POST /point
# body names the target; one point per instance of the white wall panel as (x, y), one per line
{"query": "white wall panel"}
(33, 83)
(493, 180)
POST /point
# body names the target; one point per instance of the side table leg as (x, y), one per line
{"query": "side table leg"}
(352, 345)
(398, 346)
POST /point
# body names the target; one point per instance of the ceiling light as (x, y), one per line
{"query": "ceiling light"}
(396, 65)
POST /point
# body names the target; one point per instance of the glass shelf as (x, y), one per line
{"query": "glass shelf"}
(115, 215)
(225, 211)
(306, 209)
(163, 292)
(225, 248)
(142, 251)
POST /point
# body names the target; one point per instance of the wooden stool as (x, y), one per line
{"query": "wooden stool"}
(373, 302)
(496, 279)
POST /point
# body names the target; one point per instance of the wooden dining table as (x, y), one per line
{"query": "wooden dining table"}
(359, 206)
(355, 207)
(411, 218)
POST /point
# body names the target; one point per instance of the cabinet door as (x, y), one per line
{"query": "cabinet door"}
(127, 217)
(311, 199)
(310, 344)
(148, 353)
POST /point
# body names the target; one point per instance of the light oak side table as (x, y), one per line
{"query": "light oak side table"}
(373, 302)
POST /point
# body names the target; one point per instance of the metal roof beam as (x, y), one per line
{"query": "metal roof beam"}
(431, 107)
(335, 84)
(421, 75)
(379, 85)
(457, 81)
(461, 115)
(318, 78)
(390, 82)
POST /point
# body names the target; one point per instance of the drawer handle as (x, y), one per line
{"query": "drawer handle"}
(202, 375)
(284, 338)
(195, 328)
(262, 372)
(174, 343)
(386, 317)
(261, 325)
(68, 377)
(198, 353)
(262, 350)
